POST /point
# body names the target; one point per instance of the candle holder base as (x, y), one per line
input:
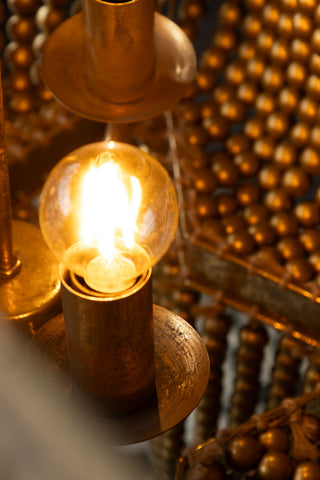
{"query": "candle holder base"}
(64, 71)
(181, 375)
(31, 297)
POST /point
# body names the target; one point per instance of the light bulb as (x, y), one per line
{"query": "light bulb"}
(109, 212)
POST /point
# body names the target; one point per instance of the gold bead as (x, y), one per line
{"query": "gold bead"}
(255, 68)
(233, 223)
(307, 6)
(206, 206)
(265, 103)
(314, 63)
(246, 51)
(213, 58)
(217, 127)
(285, 224)
(277, 200)
(299, 270)
(189, 111)
(288, 99)
(197, 158)
(255, 5)
(310, 160)
(313, 87)
(235, 73)
(204, 181)
(223, 93)
(307, 110)
(206, 79)
(264, 147)
(315, 40)
(23, 7)
(241, 242)
(296, 182)
(196, 135)
(247, 92)
(289, 5)
(22, 102)
(255, 214)
(307, 213)
(310, 239)
(254, 127)
(296, 74)
(226, 204)
(48, 18)
(19, 55)
(280, 52)
(43, 94)
(247, 163)
(290, 248)
(272, 78)
(229, 14)
(314, 260)
(316, 16)
(299, 134)
(248, 194)
(300, 50)
(302, 25)
(277, 124)
(21, 29)
(237, 143)
(285, 155)
(285, 25)
(225, 39)
(270, 15)
(269, 177)
(225, 170)
(263, 234)
(265, 41)
(192, 9)
(19, 80)
(251, 25)
(232, 110)
(39, 43)
(209, 108)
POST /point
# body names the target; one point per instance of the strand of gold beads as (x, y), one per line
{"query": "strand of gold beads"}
(261, 114)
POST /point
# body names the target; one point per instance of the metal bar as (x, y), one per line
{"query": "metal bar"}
(8, 261)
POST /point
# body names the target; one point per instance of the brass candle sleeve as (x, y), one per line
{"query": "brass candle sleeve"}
(110, 345)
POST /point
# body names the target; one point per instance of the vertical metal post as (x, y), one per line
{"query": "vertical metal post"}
(8, 261)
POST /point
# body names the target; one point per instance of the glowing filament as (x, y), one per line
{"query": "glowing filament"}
(110, 205)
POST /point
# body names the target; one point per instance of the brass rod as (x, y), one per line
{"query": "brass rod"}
(8, 261)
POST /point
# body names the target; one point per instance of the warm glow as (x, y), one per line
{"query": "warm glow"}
(109, 212)
(110, 205)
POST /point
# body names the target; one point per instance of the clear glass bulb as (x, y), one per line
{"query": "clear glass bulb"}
(109, 212)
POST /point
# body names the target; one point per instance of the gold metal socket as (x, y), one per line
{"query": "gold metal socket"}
(111, 345)
(119, 47)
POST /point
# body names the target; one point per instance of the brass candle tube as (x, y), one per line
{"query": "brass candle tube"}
(110, 344)
(119, 47)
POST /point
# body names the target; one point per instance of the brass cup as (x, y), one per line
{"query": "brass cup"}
(110, 343)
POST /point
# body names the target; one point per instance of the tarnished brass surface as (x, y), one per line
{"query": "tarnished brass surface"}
(33, 295)
(110, 344)
(66, 73)
(181, 374)
(119, 48)
(288, 307)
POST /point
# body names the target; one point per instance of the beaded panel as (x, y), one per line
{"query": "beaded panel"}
(250, 155)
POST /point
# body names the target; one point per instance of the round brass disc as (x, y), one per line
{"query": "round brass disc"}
(64, 71)
(182, 372)
(33, 295)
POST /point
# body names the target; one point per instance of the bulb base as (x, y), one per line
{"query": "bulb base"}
(110, 342)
